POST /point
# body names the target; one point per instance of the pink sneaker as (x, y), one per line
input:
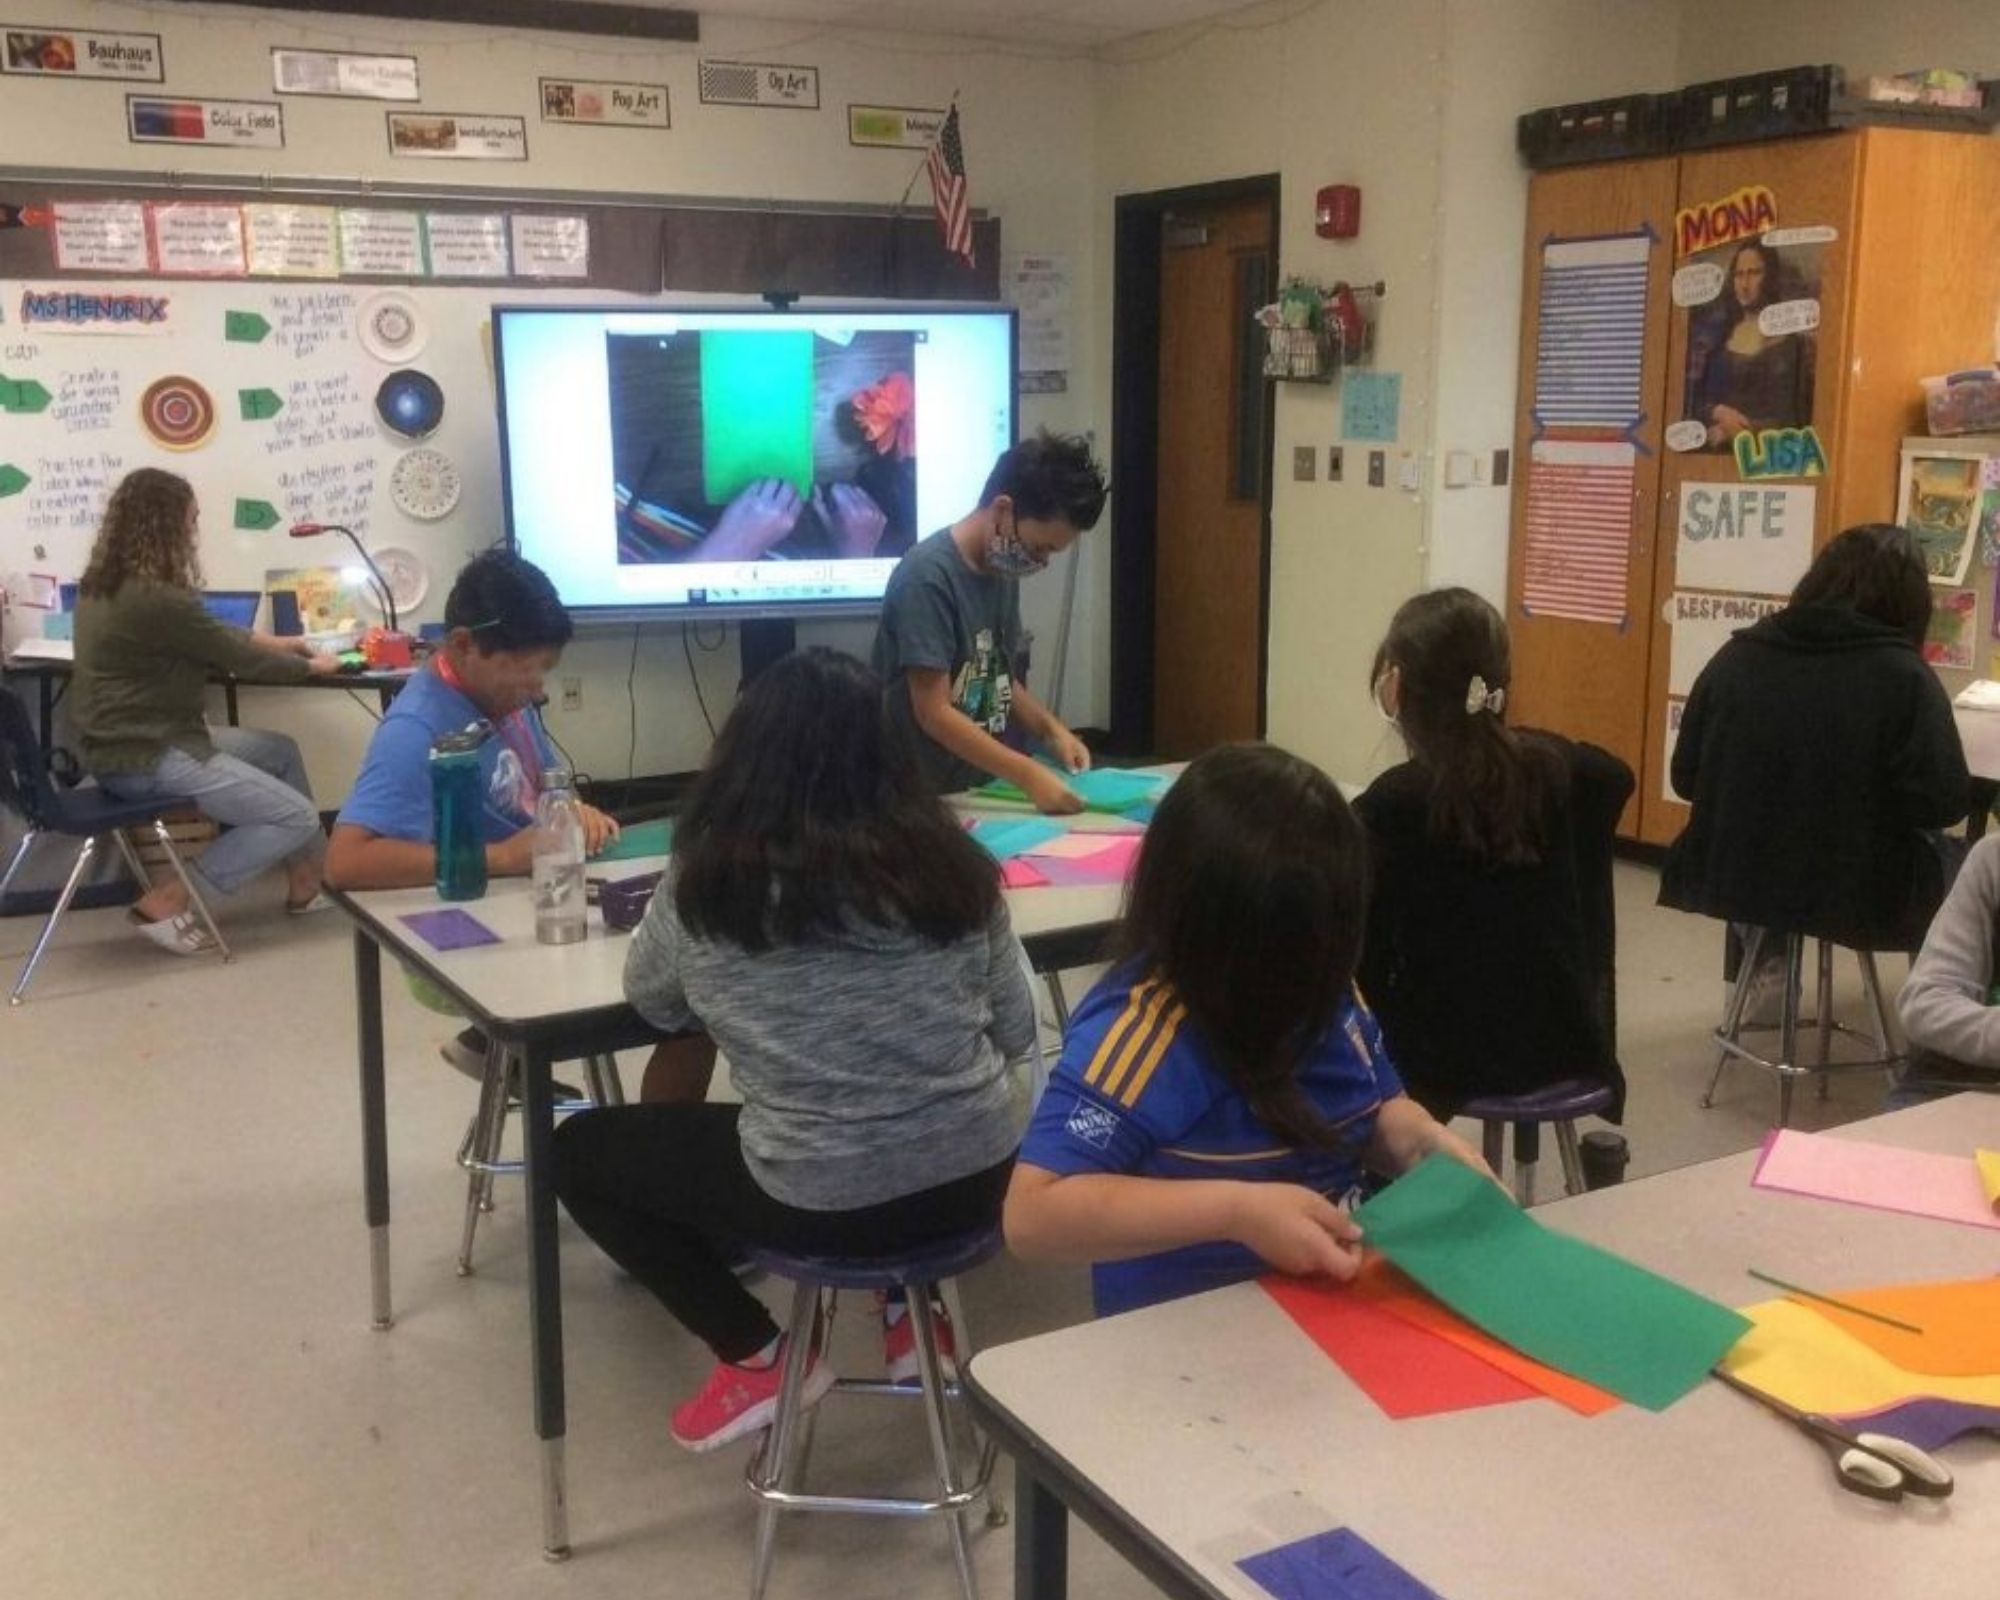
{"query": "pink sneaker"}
(899, 1346)
(740, 1400)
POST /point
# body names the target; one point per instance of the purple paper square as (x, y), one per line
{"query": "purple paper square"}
(1336, 1565)
(450, 929)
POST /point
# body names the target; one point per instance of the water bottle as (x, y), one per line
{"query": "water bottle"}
(458, 803)
(560, 913)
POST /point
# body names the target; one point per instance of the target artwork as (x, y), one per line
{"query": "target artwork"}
(178, 413)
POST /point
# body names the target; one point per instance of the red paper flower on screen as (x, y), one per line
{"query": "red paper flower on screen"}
(887, 415)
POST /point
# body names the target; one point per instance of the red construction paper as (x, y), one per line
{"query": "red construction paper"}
(1405, 1370)
(1018, 874)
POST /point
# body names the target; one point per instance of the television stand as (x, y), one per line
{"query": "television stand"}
(761, 641)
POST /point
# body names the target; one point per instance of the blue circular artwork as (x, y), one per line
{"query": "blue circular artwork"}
(410, 403)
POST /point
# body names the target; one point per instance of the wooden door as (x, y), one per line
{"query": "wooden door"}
(1214, 462)
(1586, 485)
(1786, 209)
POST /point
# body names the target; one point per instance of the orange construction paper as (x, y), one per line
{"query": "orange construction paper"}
(1961, 1323)
(1381, 1284)
(1403, 1369)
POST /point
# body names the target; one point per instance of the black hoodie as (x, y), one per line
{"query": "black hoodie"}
(1815, 748)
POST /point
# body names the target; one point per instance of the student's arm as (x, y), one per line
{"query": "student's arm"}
(945, 725)
(359, 859)
(1007, 988)
(653, 966)
(182, 627)
(1048, 731)
(1101, 1216)
(1405, 1133)
(1943, 1005)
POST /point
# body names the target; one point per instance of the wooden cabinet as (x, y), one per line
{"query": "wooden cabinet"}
(1793, 292)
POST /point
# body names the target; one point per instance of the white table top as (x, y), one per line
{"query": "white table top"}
(1979, 733)
(1223, 1431)
(518, 981)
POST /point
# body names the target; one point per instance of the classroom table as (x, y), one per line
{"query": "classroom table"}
(551, 1003)
(387, 684)
(1979, 733)
(1195, 1433)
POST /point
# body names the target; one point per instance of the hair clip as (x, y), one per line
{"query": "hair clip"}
(1478, 698)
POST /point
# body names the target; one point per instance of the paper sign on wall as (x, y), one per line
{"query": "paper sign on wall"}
(466, 244)
(382, 244)
(759, 83)
(198, 241)
(63, 308)
(894, 127)
(357, 77)
(35, 52)
(1743, 540)
(550, 246)
(101, 236)
(1371, 404)
(457, 136)
(257, 124)
(605, 105)
(1949, 640)
(1702, 624)
(1577, 560)
(291, 241)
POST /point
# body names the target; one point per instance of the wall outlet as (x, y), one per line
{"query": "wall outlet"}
(572, 694)
(1304, 458)
(1336, 463)
(1378, 468)
(1500, 469)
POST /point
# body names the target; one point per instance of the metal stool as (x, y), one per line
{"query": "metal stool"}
(1786, 1064)
(500, 1093)
(778, 1467)
(1561, 1103)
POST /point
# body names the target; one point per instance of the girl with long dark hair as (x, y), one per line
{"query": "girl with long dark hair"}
(1223, 1088)
(843, 940)
(1489, 952)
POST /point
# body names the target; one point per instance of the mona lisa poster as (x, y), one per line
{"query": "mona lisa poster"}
(1753, 336)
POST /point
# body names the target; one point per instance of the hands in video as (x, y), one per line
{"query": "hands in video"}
(763, 514)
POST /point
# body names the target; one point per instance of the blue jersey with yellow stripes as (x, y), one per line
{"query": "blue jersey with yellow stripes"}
(1138, 1092)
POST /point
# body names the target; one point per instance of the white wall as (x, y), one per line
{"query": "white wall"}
(1722, 37)
(1028, 130)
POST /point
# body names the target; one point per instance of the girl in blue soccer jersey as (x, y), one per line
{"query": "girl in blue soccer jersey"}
(1222, 1089)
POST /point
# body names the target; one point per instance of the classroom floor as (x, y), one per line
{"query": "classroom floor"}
(195, 1405)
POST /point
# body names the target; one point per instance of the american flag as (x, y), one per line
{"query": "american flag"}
(947, 169)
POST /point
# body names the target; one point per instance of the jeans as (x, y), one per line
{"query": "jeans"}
(664, 1192)
(255, 783)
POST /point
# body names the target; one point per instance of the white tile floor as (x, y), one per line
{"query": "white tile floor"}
(193, 1404)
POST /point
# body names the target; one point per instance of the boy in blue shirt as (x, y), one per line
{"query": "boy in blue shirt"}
(505, 628)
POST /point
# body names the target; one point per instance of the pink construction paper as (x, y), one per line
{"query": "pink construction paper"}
(1912, 1182)
(1112, 863)
(1074, 846)
(1020, 874)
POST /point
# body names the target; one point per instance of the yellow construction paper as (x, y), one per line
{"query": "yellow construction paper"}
(1799, 1357)
(1989, 1175)
(1961, 1323)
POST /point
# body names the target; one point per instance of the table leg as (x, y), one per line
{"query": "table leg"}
(229, 702)
(1985, 791)
(545, 1295)
(1041, 1540)
(46, 685)
(374, 1120)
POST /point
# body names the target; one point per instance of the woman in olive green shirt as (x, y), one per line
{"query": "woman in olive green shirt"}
(145, 647)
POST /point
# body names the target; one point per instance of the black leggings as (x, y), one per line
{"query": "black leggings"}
(664, 1192)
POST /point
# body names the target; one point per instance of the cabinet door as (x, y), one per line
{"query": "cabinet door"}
(1587, 452)
(1762, 243)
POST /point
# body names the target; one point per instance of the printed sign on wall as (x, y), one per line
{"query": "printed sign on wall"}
(34, 52)
(256, 123)
(348, 77)
(605, 105)
(457, 136)
(1743, 540)
(759, 83)
(894, 127)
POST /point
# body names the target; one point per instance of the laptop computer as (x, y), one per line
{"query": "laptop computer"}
(237, 607)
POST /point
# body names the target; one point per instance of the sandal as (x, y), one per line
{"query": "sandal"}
(305, 908)
(181, 935)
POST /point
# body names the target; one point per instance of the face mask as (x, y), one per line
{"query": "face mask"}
(1381, 706)
(1008, 557)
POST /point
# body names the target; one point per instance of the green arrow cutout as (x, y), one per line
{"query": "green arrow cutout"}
(244, 327)
(256, 515)
(23, 394)
(12, 479)
(259, 404)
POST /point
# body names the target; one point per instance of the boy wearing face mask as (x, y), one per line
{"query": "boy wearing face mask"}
(951, 624)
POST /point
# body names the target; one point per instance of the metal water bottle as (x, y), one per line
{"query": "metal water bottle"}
(457, 810)
(561, 916)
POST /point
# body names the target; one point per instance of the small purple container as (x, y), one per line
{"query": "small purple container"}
(624, 900)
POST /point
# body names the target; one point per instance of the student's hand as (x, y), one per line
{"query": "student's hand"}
(852, 517)
(1051, 796)
(761, 516)
(321, 666)
(1067, 748)
(1297, 1230)
(513, 856)
(598, 830)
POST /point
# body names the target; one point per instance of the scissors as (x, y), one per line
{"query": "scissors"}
(1871, 1464)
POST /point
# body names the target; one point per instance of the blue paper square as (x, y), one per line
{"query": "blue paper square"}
(1336, 1565)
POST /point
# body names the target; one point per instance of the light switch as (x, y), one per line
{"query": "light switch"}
(1457, 468)
(1336, 463)
(1378, 468)
(1304, 459)
(1409, 472)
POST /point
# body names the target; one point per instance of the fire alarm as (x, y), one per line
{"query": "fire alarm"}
(1337, 214)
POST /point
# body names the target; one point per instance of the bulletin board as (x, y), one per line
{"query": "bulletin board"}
(250, 341)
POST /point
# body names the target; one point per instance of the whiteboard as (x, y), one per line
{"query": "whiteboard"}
(322, 454)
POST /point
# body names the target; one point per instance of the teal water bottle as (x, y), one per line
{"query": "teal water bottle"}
(457, 807)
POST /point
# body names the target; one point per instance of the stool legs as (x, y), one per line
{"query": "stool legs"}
(777, 1449)
(1823, 1017)
(480, 1152)
(1572, 1158)
(939, 1423)
(76, 872)
(1739, 1002)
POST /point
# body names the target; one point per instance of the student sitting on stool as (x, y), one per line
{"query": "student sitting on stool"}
(505, 630)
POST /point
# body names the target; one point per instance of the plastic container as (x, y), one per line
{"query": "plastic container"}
(624, 900)
(1757, 105)
(562, 914)
(1590, 130)
(1963, 402)
(458, 806)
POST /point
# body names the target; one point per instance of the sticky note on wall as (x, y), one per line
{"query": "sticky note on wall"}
(756, 411)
